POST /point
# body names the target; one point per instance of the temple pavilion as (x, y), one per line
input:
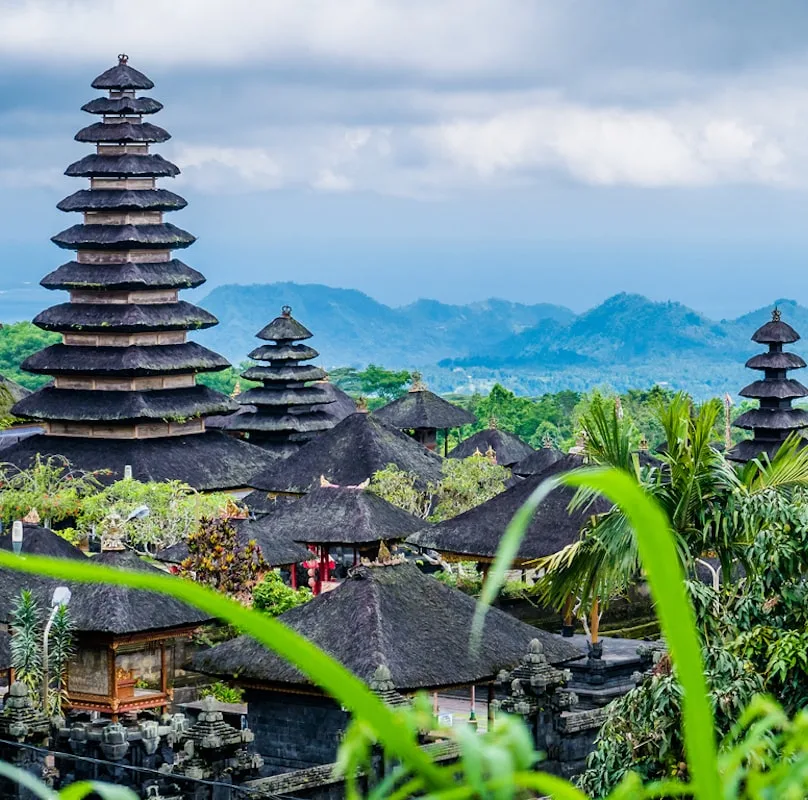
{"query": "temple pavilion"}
(125, 389)
(775, 418)
(507, 447)
(351, 452)
(423, 413)
(386, 614)
(282, 414)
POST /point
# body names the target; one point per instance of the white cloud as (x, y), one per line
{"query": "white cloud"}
(329, 181)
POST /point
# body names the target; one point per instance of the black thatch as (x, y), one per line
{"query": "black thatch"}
(137, 360)
(259, 503)
(209, 461)
(128, 165)
(5, 650)
(776, 360)
(420, 408)
(295, 373)
(283, 352)
(782, 419)
(124, 131)
(508, 447)
(120, 318)
(161, 236)
(749, 449)
(340, 404)
(775, 332)
(149, 275)
(348, 454)
(308, 422)
(283, 396)
(284, 329)
(122, 105)
(779, 390)
(122, 76)
(37, 541)
(537, 462)
(122, 200)
(79, 405)
(399, 618)
(277, 549)
(477, 533)
(339, 515)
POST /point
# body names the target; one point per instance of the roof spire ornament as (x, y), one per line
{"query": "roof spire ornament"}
(493, 423)
(123, 59)
(776, 314)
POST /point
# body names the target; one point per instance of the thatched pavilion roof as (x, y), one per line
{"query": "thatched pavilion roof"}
(420, 408)
(537, 462)
(399, 618)
(508, 447)
(476, 533)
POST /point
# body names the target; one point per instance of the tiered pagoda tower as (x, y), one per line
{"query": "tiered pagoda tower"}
(775, 419)
(281, 418)
(125, 389)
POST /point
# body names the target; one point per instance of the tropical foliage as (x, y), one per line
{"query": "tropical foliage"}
(18, 341)
(273, 596)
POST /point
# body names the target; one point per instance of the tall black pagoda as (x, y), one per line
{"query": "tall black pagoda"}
(281, 417)
(775, 419)
(124, 388)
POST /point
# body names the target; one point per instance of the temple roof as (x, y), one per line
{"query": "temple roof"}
(399, 618)
(277, 549)
(420, 408)
(127, 165)
(775, 332)
(286, 373)
(122, 200)
(122, 105)
(84, 405)
(283, 352)
(537, 462)
(749, 449)
(284, 396)
(136, 360)
(149, 275)
(38, 541)
(124, 318)
(306, 422)
(477, 533)
(508, 447)
(284, 328)
(776, 360)
(125, 131)
(348, 454)
(339, 515)
(5, 650)
(207, 462)
(783, 419)
(122, 76)
(340, 405)
(778, 389)
(160, 236)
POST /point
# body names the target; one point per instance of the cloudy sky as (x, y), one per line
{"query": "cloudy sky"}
(457, 149)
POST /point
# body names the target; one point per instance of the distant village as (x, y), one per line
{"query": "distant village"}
(367, 532)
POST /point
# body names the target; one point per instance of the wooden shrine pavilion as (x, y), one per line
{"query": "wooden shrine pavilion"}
(125, 389)
(507, 447)
(423, 413)
(775, 419)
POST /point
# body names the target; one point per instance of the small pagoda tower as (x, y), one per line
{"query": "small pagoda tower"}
(775, 419)
(281, 417)
(124, 388)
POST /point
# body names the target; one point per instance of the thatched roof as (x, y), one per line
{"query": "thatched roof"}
(161, 236)
(42, 542)
(286, 373)
(5, 650)
(775, 332)
(785, 389)
(781, 419)
(124, 131)
(348, 454)
(122, 105)
(537, 462)
(340, 403)
(122, 76)
(283, 395)
(776, 360)
(145, 275)
(420, 408)
(207, 461)
(122, 200)
(124, 318)
(284, 328)
(508, 447)
(87, 405)
(277, 548)
(123, 166)
(397, 617)
(477, 533)
(339, 515)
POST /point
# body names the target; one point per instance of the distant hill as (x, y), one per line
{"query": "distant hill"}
(626, 341)
(352, 329)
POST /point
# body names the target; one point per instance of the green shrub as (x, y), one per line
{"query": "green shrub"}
(273, 596)
(224, 693)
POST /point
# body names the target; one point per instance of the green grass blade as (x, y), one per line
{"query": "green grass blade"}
(107, 791)
(23, 778)
(390, 728)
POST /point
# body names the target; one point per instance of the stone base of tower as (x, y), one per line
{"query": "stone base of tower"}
(208, 461)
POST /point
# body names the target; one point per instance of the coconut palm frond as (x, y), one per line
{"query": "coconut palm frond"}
(788, 468)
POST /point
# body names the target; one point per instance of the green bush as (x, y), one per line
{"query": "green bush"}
(224, 693)
(273, 596)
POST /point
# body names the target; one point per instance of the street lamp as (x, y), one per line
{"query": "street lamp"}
(61, 597)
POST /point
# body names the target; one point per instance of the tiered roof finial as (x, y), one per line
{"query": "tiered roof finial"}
(125, 371)
(774, 419)
(283, 419)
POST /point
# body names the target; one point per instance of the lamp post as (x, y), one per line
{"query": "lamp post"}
(61, 597)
